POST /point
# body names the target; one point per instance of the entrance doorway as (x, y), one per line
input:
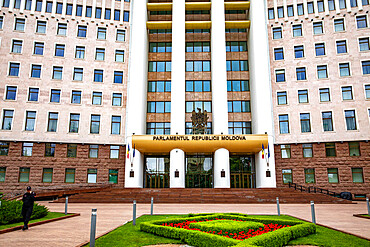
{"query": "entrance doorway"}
(242, 172)
(199, 171)
(157, 172)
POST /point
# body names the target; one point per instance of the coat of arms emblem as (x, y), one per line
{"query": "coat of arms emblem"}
(199, 122)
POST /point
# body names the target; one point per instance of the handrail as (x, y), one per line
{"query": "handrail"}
(313, 189)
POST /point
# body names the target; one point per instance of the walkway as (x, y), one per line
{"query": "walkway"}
(76, 230)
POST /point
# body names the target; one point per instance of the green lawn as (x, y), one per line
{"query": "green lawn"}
(51, 215)
(365, 215)
(130, 236)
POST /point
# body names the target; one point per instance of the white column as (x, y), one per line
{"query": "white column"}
(33, 7)
(64, 9)
(337, 9)
(112, 12)
(221, 163)
(93, 11)
(305, 7)
(103, 11)
(43, 8)
(21, 10)
(54, 8)
(137, 166)
(285, 10)
(74, 7)
(261, 96)
(295, 9)
(276, 11)
(348, 3)
(316, 9)
(359, 4)
(137, 87)
(326, 6)
(11, 6)
(83, 17)
(177, 164)
(122, 13)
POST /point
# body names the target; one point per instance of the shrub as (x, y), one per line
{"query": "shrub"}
(226, 225)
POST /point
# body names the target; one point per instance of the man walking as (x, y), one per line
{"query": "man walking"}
(28, 200)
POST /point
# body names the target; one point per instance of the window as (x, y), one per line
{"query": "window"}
(52, 121)
(320, 49)
(280, 11)
(14, 69)
(126, 16)
(41, 27)
(169, 31)
(71, 150)
(189, 128)
(81, 32)
(120, 56)
(117, 14)
(310, 8)
(339, 25)
(100, 54)
(78, 74)
(113, 176)
(344, 69)
(76, 97)
(238, 106)
(158, 128)
(17, 46)
(38, 5)
(11, 92)
(364, 44)
(367, 91)
(59, 50)
(33, 94)
(307, 150)
(107, 14)
(277, 33)
(357, 175)
(2, 174)
(70, 175)
(30, 121)
(303, 96)
(47, 175)
(98, 13)
(49, 7)
(93, 151)
(320, 6)
(88, 11)
(282, 98)
(121, 35)
(287, 176)
(309, 174)
(324, 94)
(96, 98)
(290, 10)
(297, 30)
(350, 119)
(233, 46)
(240, 128)
(114, 152)
(162, 86)
(232, 86)
(361, 21)
(353, 3)
(24, 174)
(354, 148)
(347, 93)
(280, 75)
(4, 148)
(27, 148)
(194, 66)
(271, 14)
(305, 122)
(227, 30)
(159, 106)
(98, 75)
(39, 48)
(301, 73)
(333, 175)
(95, 124)
(35, 71)
(318, 28)
(1, 22)
(79, 10)
(7, 119)
(74, 121)
(284, 124)
(102, 33)
(199, 86)
(116, 125)
(327, 121)
(6, 3)
(366, 67)
(80, 52)
(69, 9)
(55, 95)
(57, 73)
(166, 47)
(92, 175)
(365, 2)
(341, 46)
(117, 99)
(331, 5)
(49, 149)
(279, 53)
(300, 9)
(59, 8)
(322, 71)
(298, 51)
(165, 66)
(19, 24)
(285, 151)
(330, 149)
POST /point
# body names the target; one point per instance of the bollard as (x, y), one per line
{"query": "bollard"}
(313, 212)
(93, 227)
(368, 206)
(66, 206)
(278, 205)
(151, 206)
(134, 214)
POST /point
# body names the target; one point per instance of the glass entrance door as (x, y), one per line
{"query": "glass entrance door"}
(199, 171)
(157, 172)
(242, 172)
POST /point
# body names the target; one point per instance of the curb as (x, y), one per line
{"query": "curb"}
(361, 216)
(15, 228)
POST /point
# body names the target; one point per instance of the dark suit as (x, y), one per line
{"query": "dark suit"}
(28, 200)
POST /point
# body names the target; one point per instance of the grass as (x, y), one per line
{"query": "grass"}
(130, 236)
(365, 215)
(51, 215)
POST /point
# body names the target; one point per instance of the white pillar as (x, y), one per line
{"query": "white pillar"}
(316, 9)
(93, 11)
(43, 8)
(337, 9)
(305, 8)
(359, 4)
(326, 6)
(11, 6)
(83, 17)
(261, 92)
(33, 7)
(348, 3)
(295, 9)
(276, 11)
(103, 11)
(137, 166)
(122, 13)
(21, 9)
(54, 8)
(221, 163)
(285, 7)
(74, 7)
(64, 9)
(112, 11)
(177, 164)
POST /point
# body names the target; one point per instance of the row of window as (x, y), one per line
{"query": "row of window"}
(196, 12)
(347, 94)
(231, 46)
(196, 31)
(52, 122)
(57, 73)
(198, 66)
(322, 71)
(333, 175)
(70, 173)
(311, 8)
(327, 121)
(27, 5)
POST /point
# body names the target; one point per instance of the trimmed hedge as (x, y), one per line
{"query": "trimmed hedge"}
(226, 225)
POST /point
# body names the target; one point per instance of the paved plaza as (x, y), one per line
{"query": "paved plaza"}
(76, 230)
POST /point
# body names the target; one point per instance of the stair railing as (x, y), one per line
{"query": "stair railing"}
(312, 189)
